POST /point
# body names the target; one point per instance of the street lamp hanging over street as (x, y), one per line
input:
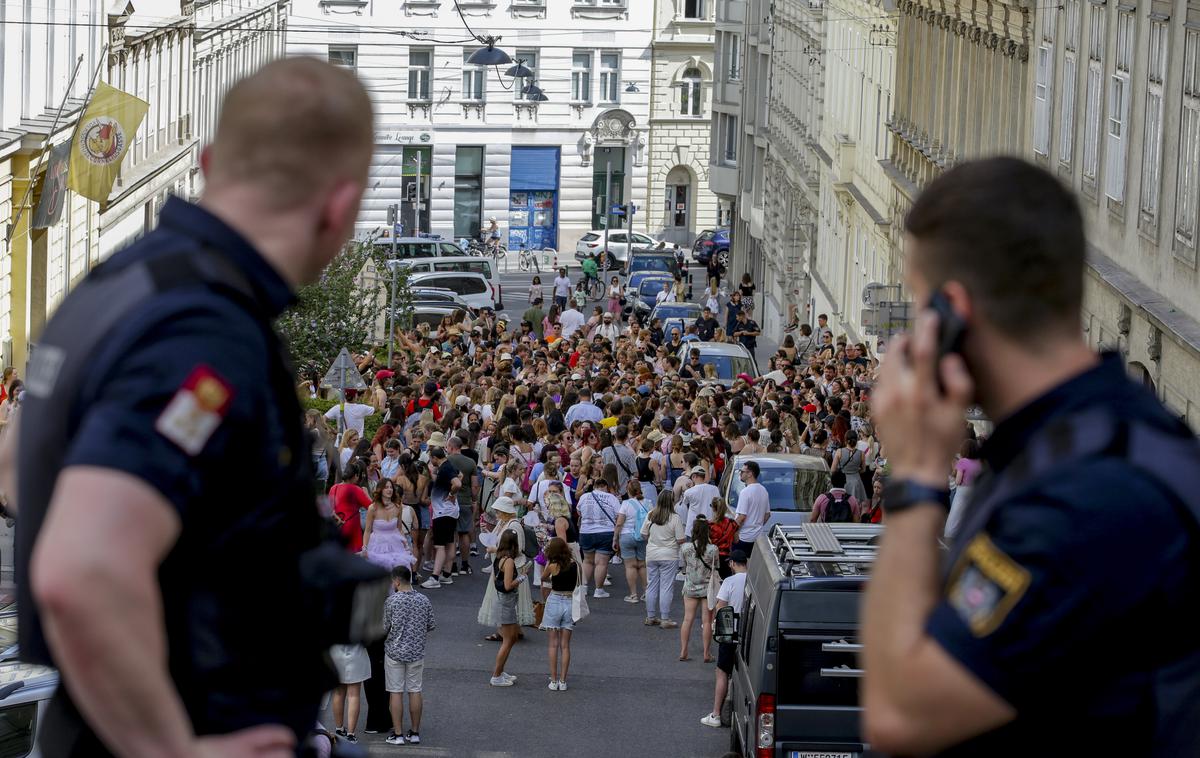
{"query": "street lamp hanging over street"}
(489, 55)
(519, 71)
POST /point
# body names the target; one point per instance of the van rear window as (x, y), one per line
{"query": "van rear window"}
(16, 730)
(803, 683)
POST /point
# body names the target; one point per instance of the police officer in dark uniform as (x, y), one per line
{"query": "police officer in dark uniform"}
(169, 551)
(1058, 621)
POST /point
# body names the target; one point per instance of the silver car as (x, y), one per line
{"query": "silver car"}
(794, 482)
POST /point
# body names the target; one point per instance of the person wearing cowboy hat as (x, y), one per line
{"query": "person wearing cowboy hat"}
(607, 329)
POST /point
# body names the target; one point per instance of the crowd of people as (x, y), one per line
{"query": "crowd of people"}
(562, 446)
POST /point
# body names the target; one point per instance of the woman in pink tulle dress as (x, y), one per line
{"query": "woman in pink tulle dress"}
(387, 540)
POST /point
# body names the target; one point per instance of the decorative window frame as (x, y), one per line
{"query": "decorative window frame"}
(422, 7)
(527, 9)
(600, 10)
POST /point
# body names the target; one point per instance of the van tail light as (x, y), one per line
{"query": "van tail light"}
(764, 723)
(593, 245)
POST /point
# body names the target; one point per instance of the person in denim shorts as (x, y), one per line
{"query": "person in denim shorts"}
(629, 543)
(561, 575)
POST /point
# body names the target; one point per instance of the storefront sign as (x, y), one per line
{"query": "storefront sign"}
(403, 138)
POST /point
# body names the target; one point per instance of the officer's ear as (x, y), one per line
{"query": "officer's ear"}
(335, 219)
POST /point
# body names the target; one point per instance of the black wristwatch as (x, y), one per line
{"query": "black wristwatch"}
(902, 494)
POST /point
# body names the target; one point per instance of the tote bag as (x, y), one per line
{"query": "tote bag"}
(714, 586)
(579, 605)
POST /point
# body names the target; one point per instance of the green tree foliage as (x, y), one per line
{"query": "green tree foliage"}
(345, 308)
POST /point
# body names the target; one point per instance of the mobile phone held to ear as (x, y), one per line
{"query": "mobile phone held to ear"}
(950, 332)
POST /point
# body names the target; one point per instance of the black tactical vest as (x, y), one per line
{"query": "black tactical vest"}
(203, 602)
(1171, 460)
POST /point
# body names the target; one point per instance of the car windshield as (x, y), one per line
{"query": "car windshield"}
(652, 263)
(728, 366)
(677, 310)
(652, 286)
(789, 488)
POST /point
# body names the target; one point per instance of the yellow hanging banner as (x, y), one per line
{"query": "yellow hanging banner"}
(106, 129)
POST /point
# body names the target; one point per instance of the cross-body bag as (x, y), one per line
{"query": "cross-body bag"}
(617, 455)
(579, 604)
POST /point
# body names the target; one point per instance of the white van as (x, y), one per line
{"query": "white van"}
(473, 288)
(466, 263)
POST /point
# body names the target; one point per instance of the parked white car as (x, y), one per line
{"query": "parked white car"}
(619, 242)
(473, 288)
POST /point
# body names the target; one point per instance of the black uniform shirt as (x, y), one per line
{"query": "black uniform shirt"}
(1072, 594)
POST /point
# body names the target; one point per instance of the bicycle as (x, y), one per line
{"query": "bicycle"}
(594, 288)
(528, 259)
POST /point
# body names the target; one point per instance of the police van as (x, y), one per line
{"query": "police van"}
(25, 691)
(448, 266)
(794, 688)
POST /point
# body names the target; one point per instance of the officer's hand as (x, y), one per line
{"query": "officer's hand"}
(921, 428)
(267, 741)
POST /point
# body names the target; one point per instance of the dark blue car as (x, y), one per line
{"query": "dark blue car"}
(710, 242)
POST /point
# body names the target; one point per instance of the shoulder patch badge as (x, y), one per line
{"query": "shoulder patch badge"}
(985, 585)
(196, 410)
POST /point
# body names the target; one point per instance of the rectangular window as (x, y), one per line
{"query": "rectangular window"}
(731, 138)
(420, 65)
(610, 77)
(1156, 72)
(1187, 209)
(474, 79)
(468, 191)
(529, 59)
(1041, 99)
(1066, 103)
(693, 8)
(581, 77)
(734, 55)
(1116, 147)
(345, 56)
(1094, 93)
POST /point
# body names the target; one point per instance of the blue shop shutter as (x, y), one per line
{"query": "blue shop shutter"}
(534, 168)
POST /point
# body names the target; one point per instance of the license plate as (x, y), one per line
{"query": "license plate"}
(809, 754)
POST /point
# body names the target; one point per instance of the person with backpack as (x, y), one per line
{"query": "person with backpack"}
(628, 542)
(836, 506)
(700, 561)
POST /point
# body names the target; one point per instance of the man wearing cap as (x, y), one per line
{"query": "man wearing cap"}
(607, 329)
(733, 594)
(697, 500)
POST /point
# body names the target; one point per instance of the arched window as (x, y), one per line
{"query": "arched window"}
(690, 100)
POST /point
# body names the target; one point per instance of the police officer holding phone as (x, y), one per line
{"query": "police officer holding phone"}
(1058, 622)
(170, 557)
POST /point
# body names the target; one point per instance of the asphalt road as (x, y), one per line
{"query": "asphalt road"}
(628, 696)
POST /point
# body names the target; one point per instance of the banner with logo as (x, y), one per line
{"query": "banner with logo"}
(106, 129)
(54, 188)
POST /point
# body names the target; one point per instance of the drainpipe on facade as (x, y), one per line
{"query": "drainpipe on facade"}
(650, 124)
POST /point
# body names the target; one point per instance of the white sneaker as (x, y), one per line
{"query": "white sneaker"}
(500, 681)
(607, 582)
(431, 583)
(616, 560)
(552, 686)
(712, 720)
(427, 566)
(394, 739)
(679, 577)
(446, 580)
(630, 598)
(508, 676)
(600, 593)
(562, 686)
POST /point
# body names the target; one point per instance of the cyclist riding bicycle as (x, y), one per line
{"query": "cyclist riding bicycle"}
(492, 233)
(590, 269)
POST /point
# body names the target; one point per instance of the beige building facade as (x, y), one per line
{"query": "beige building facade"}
(679, 204)
(855, 246)
(1115, 98)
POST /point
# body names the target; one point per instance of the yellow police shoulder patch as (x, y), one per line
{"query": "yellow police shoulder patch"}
(985, 585)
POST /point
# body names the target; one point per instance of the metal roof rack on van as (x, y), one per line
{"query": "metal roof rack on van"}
(821, 549)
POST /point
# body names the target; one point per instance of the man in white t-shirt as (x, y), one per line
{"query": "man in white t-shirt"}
(571, 320)
(354, 416)
(753, 508)
(562, 288)
(697, 499)
(733, 594)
